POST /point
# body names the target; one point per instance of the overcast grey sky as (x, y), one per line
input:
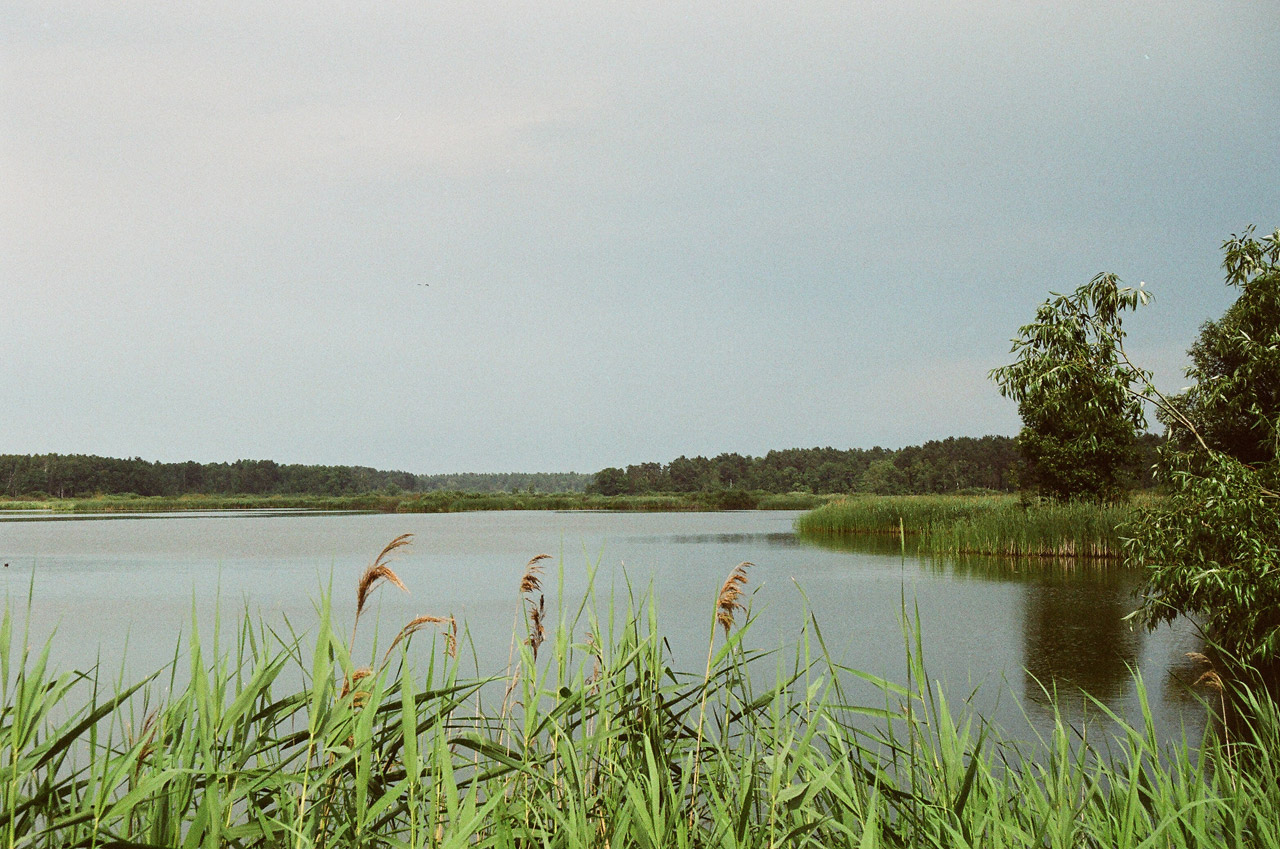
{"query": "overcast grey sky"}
(471, 236)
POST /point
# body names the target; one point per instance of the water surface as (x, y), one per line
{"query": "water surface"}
(1000, 632)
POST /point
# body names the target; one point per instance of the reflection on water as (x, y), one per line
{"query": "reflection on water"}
(787, 540)
(862, 543)
(1074, 631)
(1075, 635)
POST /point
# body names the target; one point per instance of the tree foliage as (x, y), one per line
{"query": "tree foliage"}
(80, 475)
(1212, 549)
(1234, 404)
(955, 464)
(1074, 391)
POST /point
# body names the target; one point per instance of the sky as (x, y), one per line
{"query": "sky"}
(554, 236)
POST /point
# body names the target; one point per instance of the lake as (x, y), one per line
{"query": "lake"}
(122, 589)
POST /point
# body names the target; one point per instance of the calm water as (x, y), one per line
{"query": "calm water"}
(1004, 630)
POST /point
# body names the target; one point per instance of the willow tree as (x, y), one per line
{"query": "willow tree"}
(1211, 547)
(1075, 391)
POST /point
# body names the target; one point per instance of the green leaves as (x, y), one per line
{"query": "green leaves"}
(416, 762)
(1212, 549)
(1234, 404)
(1074, 389)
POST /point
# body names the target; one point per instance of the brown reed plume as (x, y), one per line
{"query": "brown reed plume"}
(727, 603)
(530, 583)
(147, 735)
(417, 624)
(377, 571)
(730, 593)
(358, 698)
(537, 633)
(597, 654)
(531, 580)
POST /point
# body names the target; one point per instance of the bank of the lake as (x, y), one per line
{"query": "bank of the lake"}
(988, 524)
(429, 502)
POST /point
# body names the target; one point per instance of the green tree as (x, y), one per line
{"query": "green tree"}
(1212, 548)
(882, 477)
(687, 475)
(1234, 404)
(1073, 388)
(610, 481)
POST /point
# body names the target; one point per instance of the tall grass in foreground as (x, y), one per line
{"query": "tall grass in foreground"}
(992, 524)
(597, 743)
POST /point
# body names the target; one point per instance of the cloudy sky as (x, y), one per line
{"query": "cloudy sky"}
(474, 236)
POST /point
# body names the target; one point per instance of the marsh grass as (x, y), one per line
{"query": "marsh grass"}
(997, 525)
(603, 745)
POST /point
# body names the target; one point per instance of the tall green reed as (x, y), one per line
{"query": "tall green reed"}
(601, 744)
(1000, 525)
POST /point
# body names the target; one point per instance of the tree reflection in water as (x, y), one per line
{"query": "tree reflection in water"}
(1075, 636)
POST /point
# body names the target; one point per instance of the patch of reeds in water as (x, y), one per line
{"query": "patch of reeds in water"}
(999, 525)
(604, 745)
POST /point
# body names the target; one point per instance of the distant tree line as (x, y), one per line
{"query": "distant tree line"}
(956, 464)
(82, 475)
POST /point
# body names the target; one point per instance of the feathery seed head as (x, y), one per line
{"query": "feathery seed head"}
(537, 633)
(380, 571)
(531, 580)
(730, 594)
(1211, 680)
(349, 684)
(448, 624)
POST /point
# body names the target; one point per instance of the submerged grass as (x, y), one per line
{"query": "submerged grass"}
(598, 742)
(990, 524)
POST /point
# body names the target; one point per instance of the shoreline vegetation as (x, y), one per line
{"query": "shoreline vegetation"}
(587, 739)
(1002, 525)
(430, 502)
(948, 466)
(992, 524)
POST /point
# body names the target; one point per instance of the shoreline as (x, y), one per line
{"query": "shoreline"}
(431, 502)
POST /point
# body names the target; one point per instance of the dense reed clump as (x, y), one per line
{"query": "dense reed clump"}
(607, 746)
(994, 524)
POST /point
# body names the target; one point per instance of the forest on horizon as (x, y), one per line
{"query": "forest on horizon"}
(955, 464)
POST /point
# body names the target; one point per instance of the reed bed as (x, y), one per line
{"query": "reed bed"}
(600, 743)
(998, 524)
